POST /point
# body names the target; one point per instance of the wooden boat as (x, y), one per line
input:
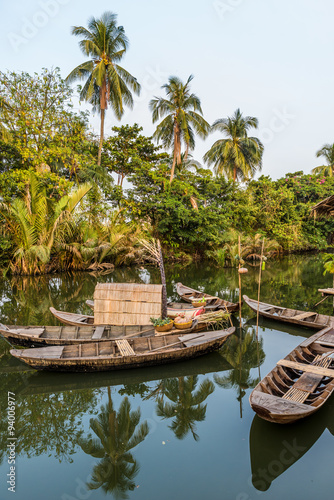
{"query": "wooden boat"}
(189, 294)
(72, 333)
(72, 318)
(90, 303)
(123, 353)
(28, 336)
(173, 309)
(302, 318)
(42, 382)
(300, 383)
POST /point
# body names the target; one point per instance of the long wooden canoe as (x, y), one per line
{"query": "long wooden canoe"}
(28, 336)
(72, 318)
(300, 383)
(189, 294)
(173, 308)
(123, 353)
(302, 318)
(90, 303)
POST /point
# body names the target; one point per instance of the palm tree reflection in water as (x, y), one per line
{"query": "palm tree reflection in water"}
(243, 353)
(186, 403)
(117, 433)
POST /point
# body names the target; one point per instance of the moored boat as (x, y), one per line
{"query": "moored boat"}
(72, 318)
(123, 353)
(28, 336)
(189, 295)
(90, 303)
(294, 316)
(300, 383)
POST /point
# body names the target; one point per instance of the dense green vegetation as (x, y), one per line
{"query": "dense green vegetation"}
(72, 200)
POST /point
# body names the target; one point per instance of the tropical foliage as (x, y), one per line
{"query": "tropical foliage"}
(43, 132)
(132, 198)
(36, 225)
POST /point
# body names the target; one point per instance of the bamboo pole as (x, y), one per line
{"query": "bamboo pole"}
(240, 323)
(258, 293)
(163, 281)
(321, 301)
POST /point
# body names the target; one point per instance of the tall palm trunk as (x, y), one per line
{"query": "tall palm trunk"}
(177, 150)
(103, 106)
(101, 137)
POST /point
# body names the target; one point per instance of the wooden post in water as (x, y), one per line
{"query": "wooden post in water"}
(240, 321)
(163, 282)
(258, 293)
(239, 265)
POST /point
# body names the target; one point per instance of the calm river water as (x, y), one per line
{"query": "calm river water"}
(183, 431)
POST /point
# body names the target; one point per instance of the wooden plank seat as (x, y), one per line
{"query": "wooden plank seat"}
(98, 333)
(34, 332)
(304, 315)
(316, 370)
(124, 348)
(324, 342)
(308, 382)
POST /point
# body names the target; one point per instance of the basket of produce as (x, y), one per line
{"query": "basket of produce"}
(199, 302)
(162, 325)
(182, 322)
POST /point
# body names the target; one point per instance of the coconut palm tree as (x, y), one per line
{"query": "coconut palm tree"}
(116, 434)
(238, 157)
(186, 407)
(327, 151)
(35, 225)
(106, 81)
(182, 118)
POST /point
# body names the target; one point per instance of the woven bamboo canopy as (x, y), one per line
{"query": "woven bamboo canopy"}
(126, 303)
(324, 208)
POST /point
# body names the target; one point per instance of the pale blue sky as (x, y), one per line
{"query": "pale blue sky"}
(271, 58)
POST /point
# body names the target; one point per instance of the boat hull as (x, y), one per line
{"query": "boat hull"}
(300, 384)
(51, 358)
(189, 294)
(50, 337)
(285, 315)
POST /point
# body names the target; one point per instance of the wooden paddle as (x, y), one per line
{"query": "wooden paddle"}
(179, 342)
(133, 335)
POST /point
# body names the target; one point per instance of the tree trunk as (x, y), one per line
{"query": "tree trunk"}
(234, 174)
(101, 137)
